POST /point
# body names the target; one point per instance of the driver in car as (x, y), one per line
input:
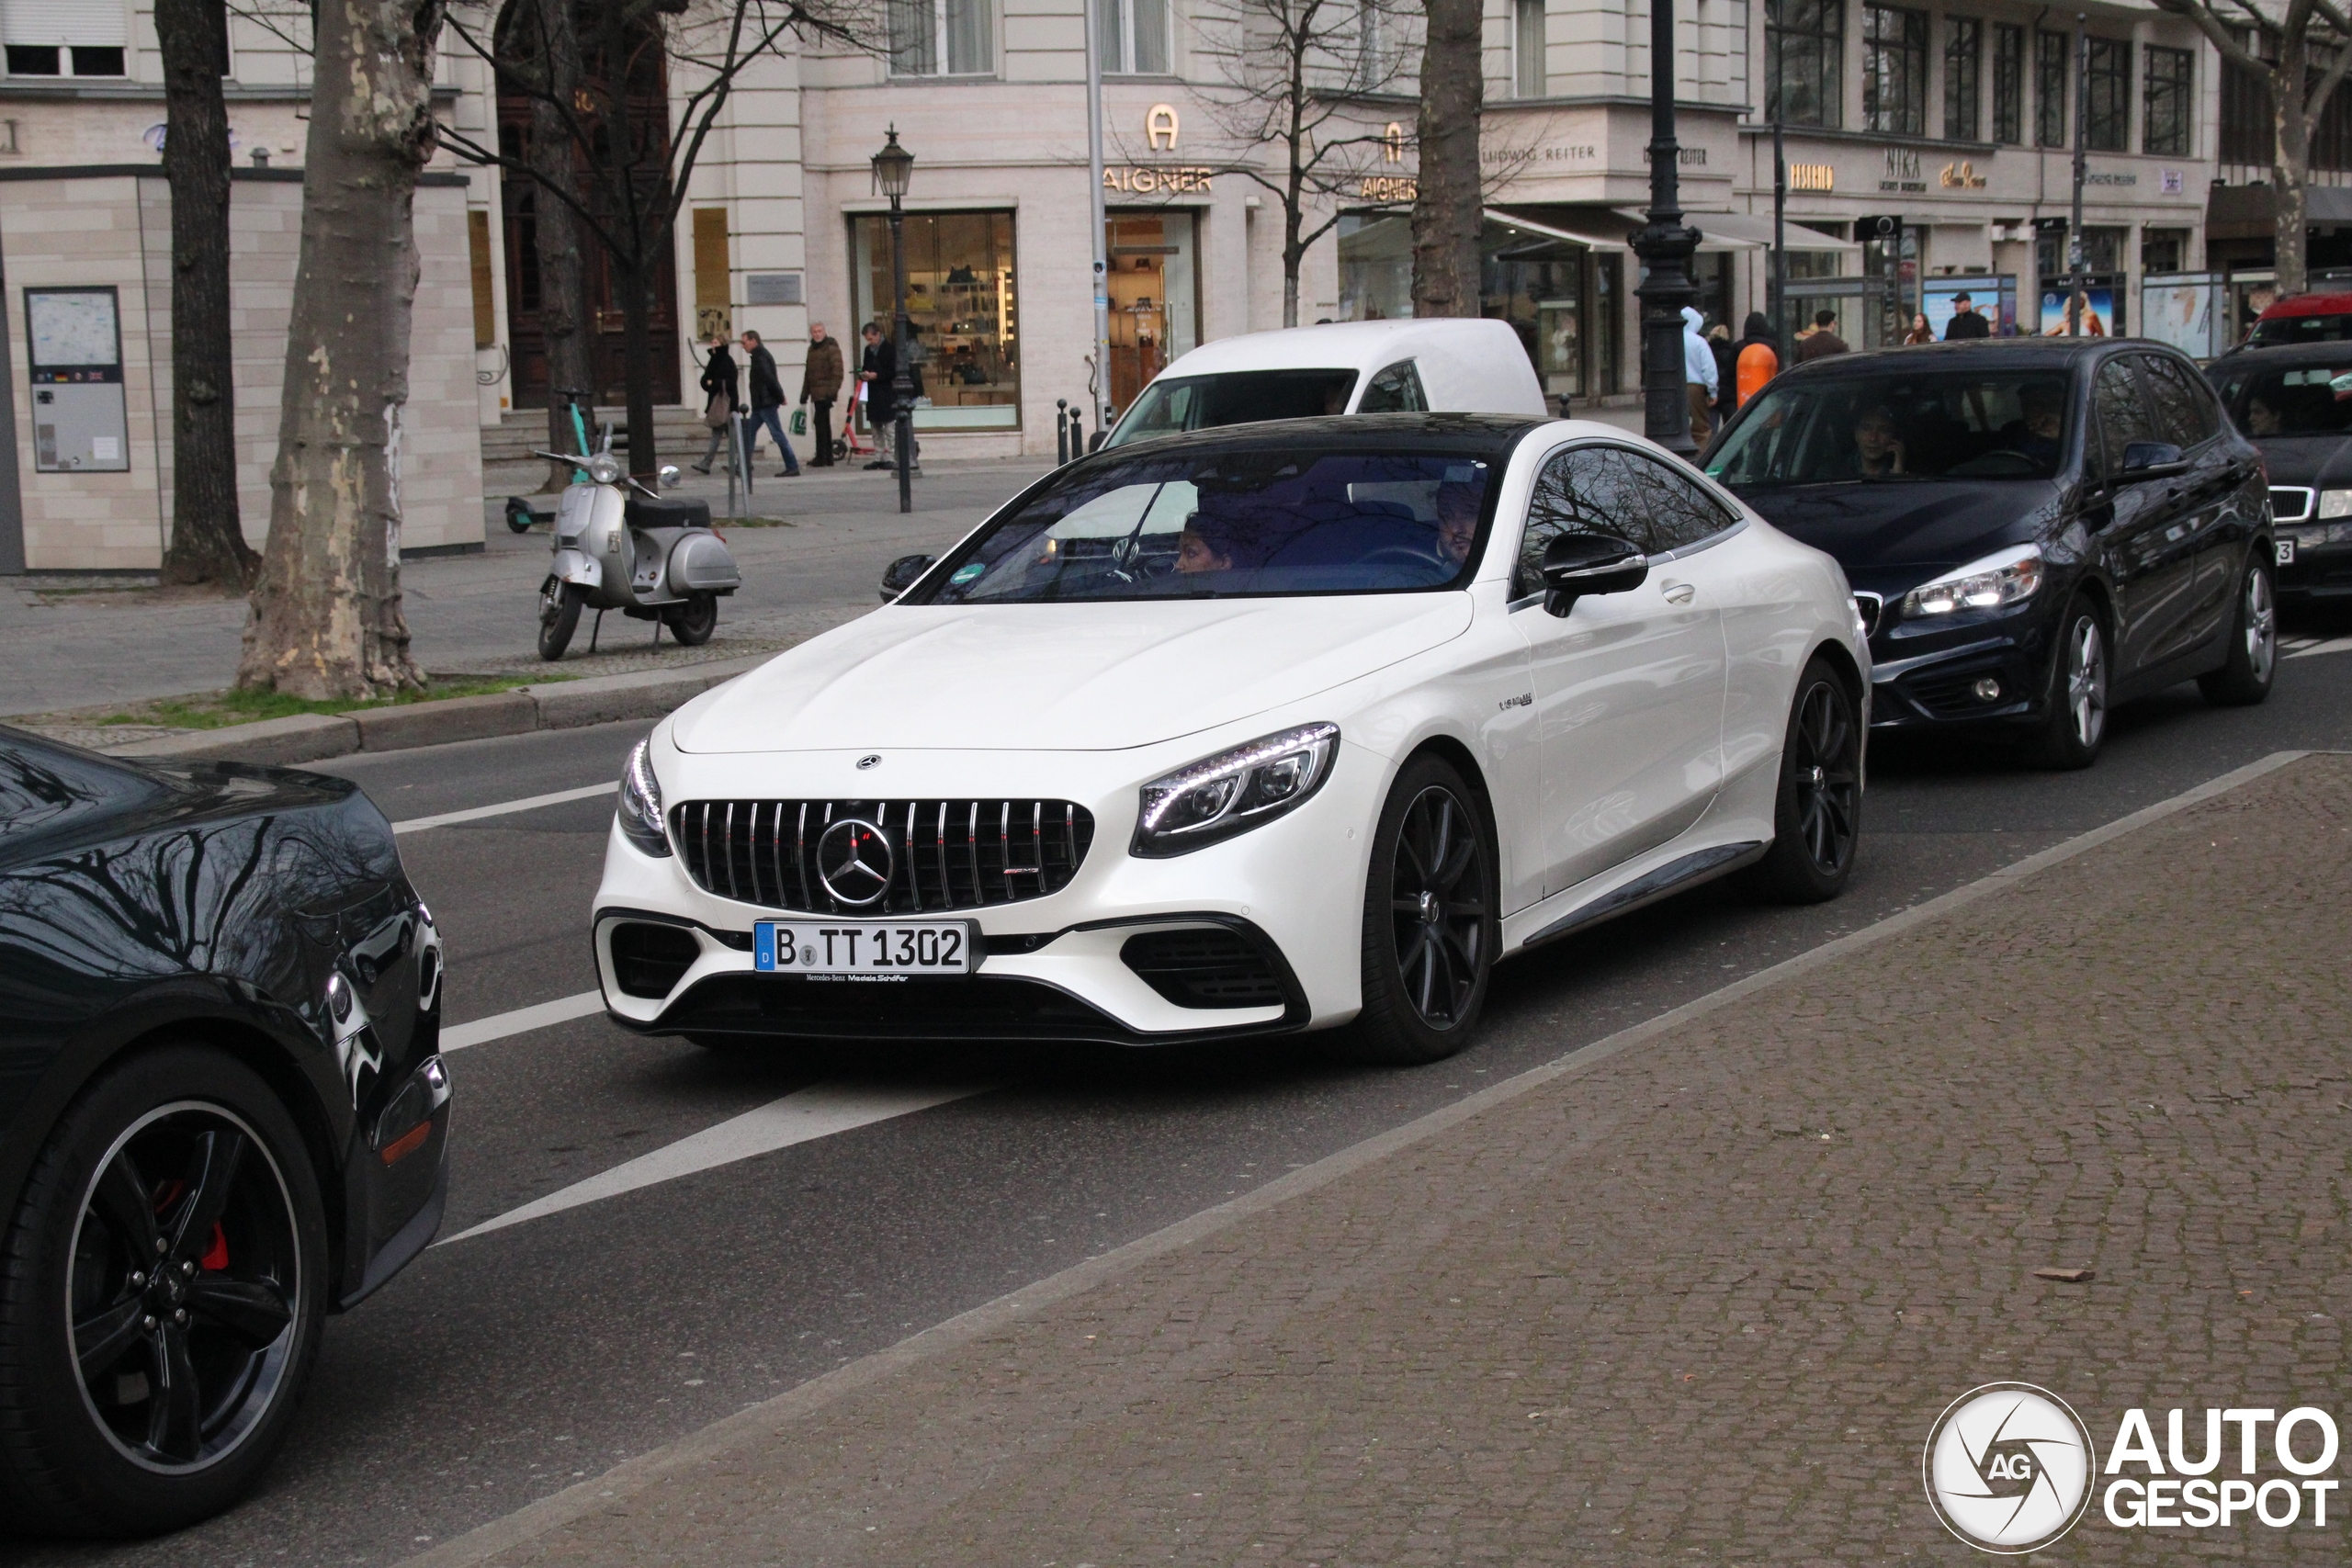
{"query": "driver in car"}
(2035, 434)
(1457, 522)
(1878, 450)
(1206, 545)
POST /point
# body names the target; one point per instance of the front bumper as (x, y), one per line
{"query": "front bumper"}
(1941, 687)
(2322, 565)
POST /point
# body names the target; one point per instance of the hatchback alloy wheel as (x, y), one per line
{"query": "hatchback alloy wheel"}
(1437, 895)
(184, 1279)
(2261, 626)
(2086, 681)
(2245, 674)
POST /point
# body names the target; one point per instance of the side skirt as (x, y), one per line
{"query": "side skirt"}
(1660, 882)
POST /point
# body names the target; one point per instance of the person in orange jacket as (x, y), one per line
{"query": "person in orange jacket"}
(1758, 358)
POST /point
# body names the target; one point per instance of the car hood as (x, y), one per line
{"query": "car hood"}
(1059, 677)
(2322, 462)
(1890, 531)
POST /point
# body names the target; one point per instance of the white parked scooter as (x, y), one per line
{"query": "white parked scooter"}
(622, 545)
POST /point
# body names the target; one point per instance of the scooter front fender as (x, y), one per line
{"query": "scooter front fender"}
(580, 568)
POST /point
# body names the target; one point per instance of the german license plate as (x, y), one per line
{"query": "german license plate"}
(859, 947)
(2286, 552)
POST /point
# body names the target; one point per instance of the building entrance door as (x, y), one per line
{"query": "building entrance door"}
(1155, 296)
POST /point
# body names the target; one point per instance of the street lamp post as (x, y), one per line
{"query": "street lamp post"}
(894, 166)
(1664, 246)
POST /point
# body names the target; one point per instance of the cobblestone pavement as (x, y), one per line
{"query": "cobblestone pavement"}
(1698, 1302)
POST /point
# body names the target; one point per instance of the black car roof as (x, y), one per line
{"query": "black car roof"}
(2011, 352)
(2335, 352)
(1480, 434)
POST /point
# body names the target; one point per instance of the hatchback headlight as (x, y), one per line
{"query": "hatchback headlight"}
(2006, 578)
(640, 811)
(2336, 504)
(1234, 791)
(605, 469)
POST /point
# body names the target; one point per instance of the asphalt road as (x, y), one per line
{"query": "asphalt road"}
(505, 1365)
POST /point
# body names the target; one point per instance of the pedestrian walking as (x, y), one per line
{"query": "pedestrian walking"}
(1758, 359)
(720, 381)
(879, 368)
(1821, 341)
(821, 384)
(1967, 322)
(767, 403)
(1727, 372)
(1920, 332)
(1699, 374)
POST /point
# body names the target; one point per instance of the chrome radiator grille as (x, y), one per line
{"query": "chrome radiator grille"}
(944, 854)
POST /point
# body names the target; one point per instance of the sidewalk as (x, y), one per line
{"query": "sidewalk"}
(1695, 1302)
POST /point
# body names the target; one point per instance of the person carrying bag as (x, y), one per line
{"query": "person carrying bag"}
(720, 381)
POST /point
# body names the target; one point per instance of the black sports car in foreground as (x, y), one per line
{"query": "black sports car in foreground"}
(2295, 404)
(2034, 528)
(222, 1116)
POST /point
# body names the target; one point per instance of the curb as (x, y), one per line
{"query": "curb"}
(569, 705)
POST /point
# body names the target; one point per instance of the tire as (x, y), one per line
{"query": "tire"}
(2244, 676)
(2075, 728)
(1430, 932)
(560, 605)
(239, 1305)
(518, 516)
(693, 622)
(1817, 808)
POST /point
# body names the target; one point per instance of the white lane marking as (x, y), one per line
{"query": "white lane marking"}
(529, 803)
(2333, 645)
(817, 1112)
(498, 1026)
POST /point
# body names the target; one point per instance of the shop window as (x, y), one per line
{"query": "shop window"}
(2164, 250)
(960, 309)
(2008, 84)
(936, 38)
(2051, 66)
(1375, 51)
(1133, 36)
(1963, 62)
(1376, 266)
(1894, 70)
(1532, 75)
(2165, 133)
(2107, 95)
(1805, 44)
(1155, 297)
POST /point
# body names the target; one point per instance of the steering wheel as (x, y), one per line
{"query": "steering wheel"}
(1993, 464)
(1400, 555)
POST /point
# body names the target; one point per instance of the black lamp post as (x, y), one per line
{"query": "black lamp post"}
(894, 166)
(1664, 246)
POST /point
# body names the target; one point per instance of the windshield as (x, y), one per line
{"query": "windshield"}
(2306, 399)
(2273, 331)
(1899, 425)
(1225, 524)
(1237, 397)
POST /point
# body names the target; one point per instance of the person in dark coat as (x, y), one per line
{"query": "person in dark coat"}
(1727, 371)
(1966, 322)
(722, 401)
(767, 403)
(879, 370)
(1821, 341)
(820, 383)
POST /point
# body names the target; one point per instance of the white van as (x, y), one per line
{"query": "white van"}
(1404, 367)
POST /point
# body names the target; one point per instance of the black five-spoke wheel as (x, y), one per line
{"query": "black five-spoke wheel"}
(1430, 921)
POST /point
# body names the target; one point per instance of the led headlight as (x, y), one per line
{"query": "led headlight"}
(2336, 504)
(640, 811)
(605, 469)
(2006, 578)
(1234, 791)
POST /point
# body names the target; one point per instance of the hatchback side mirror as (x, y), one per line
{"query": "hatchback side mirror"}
(901, 573)
(1578, 564)
(2152, 461)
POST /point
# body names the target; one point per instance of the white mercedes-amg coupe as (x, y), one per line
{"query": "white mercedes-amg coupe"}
(1266, 729)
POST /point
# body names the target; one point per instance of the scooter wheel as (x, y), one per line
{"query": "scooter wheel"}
(693, 622)
(559, 619)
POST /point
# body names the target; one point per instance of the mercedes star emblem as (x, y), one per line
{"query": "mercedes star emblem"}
(855, 862)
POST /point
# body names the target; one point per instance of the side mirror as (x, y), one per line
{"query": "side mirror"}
(901, 573)
(2152, 461)
(1578, 564)
(669, 476)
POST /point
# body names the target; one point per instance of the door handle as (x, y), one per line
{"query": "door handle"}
(1679, 592)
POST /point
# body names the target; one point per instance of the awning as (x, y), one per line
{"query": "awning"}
(1744, 231)
(2250, 212)
(1600, 233)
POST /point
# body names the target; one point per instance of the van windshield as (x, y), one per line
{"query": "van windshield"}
(1217, 526)
(1897, 426)
(1235, 397)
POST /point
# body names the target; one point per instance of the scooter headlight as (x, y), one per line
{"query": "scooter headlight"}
(605, 469)
(640, 810)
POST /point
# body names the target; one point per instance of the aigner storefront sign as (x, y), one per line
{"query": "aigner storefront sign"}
(1160, 130)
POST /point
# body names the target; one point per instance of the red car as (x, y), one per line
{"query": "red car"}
(2304, 318)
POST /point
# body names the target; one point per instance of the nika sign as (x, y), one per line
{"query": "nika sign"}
(1160, 128)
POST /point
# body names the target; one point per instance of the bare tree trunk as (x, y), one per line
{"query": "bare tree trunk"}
(2291, 166)
(563, 270)
(1447, 209)
(207, 539)
(637, 358)
(326, 617)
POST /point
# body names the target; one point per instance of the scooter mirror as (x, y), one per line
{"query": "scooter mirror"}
(669, 476)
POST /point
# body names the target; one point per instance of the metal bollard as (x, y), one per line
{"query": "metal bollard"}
(1061, 430)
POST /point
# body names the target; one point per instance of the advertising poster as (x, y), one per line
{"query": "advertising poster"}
(2099, 316)
(2179, 309)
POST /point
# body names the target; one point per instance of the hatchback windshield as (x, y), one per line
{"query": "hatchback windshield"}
(2303, 400)
(1896, 426)
(1237, 397)
(1224, 524)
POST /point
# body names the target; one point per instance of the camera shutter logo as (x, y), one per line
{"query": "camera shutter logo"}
(855, 862)
(2008, 1468)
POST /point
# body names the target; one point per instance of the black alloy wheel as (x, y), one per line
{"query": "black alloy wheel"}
(2245, 674)
(560, 605)
(693, 622)
(2076, 727)
(161, 1298)
(1431, 928)
(1818, 814)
